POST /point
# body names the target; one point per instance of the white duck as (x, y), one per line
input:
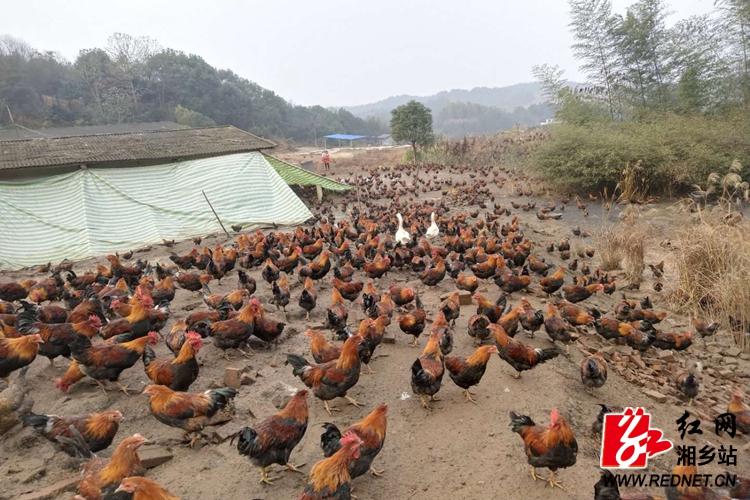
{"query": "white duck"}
(433, 231)
(402, 236)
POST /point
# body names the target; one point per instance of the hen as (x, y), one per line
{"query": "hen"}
(593, 371)
(308, 298)
(15, 353)
(329, 479)
(478, 328)
(57, 336)
(553, 446)
(741, 412)
(428, 370)
(97, 429)
(520, 356)
(413, 322)
(337, 313)
(350, 291)
(187, 411)
(142, 488)
(273, 440)
(687, 383)
(322, 351)
(177, 373)
(468, 372)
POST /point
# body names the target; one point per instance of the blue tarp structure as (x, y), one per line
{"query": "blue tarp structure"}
(345, 137)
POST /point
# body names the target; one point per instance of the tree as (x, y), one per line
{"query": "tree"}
(592, 24)
(184, 116)
(553, 82)
(412, 123)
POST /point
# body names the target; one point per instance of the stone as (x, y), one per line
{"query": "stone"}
(33, 475)
(53, 491)
(666, 356)
(232, 378)
(656, 396)
(247, 379)
(733, 351)
(389, 337)
(464, 298)
(637, 361)
(279, 394)
(624, 350)
(745, 356)
(731, 361)
(274, 361)
(154, 456)
(608, 350)
(726, 373)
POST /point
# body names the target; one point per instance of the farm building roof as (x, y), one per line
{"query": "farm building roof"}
(101, 149)
(345, 137)
(17, 132)
(301, 177)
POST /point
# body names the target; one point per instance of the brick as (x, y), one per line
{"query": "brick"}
(232, 378)
(637, 361)
(608, 350)
(464, 298)
(657, 396)
(247, 379)
(389, 337)
(745, 356)
(726, 373)
(52, 491)
(733, 351)
(624, 350)
(154, 456)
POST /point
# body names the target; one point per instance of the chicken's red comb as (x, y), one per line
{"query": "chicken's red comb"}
(555, 415)
(255, 302)
(193, 336)
(350, 437)
(153, 338)
(95, 321)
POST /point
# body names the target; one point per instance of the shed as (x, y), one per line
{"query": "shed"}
(77, 197)
(385, 140)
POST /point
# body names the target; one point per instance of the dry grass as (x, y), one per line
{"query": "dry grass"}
(712, 261)
(622, 246)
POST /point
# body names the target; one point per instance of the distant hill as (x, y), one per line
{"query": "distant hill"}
(482, 110)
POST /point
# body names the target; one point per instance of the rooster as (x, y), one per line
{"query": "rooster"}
(433, 276)
(350, 291)
(332, 379)
(370, 296)
(478, 328)
(187, 411)
(593, 371)
(11, 292)
(106, 360)
(337, 313)
(72, 375)
(231, 333)
(557, 328)
(281, 293)
(428, 370)
(266, 328)
(687, 383)
(695, 491)
(57, 336)
(520, 356)
(531, 319)
(704, 328)
(18, 352)
(308, 298)
(371, 430)
(322, 351)
(469, 372)
(176, 373)
(553, 283)
(553, 446)
(576, 293)
(329, 479)
(273, 440)
(97, 429)
(401, 295)
(741, 412)
(673, 341)
(493, 311)
(467, 283)
(574, 314)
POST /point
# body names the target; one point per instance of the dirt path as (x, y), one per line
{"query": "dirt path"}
(457, 450)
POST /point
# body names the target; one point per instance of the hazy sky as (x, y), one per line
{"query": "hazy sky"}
(331, 52)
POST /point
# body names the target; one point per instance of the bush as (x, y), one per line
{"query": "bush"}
(674, 151)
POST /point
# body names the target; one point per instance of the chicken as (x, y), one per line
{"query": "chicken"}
(606, 489)
(163, 291)
(371, 430)
(574, 314)
(138, 321)
(493, 311)
(281, 293)
(553, 283)
(142, 488)
(673, 341)
(413, 323)
(15, 353)
(510, 283)
(485, 270)
(639, 340)
(689, 491)
(332, 379)
(434, 275)
(610, 328)
(553, 446)
(741, 412)
(308, 298)
(428, 370)
(337, 313)
(50, 289)
(576, 293)
(190, 412)
(384, 307)
(231, 333)
(467, 283)
(704, 328)
(11, 292)
(322, 351)
(246, 282)
(266, 328)
(72, 375)
(510, 321)
(101, 476)
(687, 383)
(593, 371)
(106, 360)
(176, 373)
(741, 491)
(329, 479)
(318, 269)
(97, 429)
(370, 297)
(345, 272)
(520, 356)
(468, 372)
(557, 328)
(478, 328)
(379, 267)
(57, 336)
(193, 281)
(272, 440)
(598, 424)
(15, 401)
(270, 272)
(531, 319)
(185, 261)
(47, 314)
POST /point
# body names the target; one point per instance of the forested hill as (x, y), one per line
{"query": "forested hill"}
(135, 80)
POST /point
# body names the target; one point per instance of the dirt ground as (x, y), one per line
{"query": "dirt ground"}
(458, 450)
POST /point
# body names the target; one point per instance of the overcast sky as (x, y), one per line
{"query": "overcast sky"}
(331, 52)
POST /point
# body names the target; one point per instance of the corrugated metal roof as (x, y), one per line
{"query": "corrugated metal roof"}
(108, 148)
(16, 133)
(294, 175)
(345, 137)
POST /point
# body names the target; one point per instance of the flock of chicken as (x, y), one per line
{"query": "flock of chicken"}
(128, 305)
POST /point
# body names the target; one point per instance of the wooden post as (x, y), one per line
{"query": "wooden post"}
(319, 192)
(215, 214)
(356, 180)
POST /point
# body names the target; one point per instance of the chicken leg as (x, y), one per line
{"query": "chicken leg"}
(553, 481)
(424, 402)
(294, 468)
(329, 408)
(376, 473)
(353, 402)
(469, 399)
(264, 479)
(537, 476)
